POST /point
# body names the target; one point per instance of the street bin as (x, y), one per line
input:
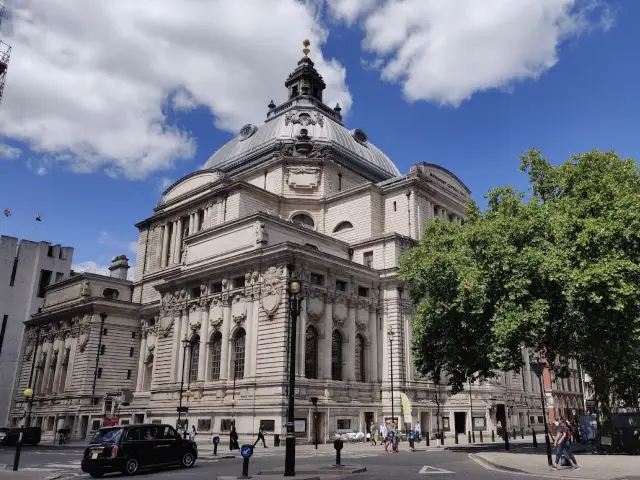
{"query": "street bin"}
(276, 440)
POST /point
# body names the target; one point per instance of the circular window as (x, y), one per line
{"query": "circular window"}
(360, 136)
(304, 220)
(247, 131)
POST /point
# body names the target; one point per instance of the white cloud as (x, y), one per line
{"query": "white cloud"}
(9, 153)
(445, 51)
(93, 267)
(89, 83)
(111, 240)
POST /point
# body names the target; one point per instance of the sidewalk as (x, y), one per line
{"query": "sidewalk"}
(534, 461)
(19, 475)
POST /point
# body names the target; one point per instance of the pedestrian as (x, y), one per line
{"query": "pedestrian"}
(261, 437)
(563, 443)
(383, 435)
(418, 431)
(394, 439)
(193, 433)
(233, 439)
(373, 434)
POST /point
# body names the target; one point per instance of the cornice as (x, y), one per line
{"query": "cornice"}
(385, 237)
(87, 305)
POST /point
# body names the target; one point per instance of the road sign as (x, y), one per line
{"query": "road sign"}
(182, 409)
(246, 451)
(433, 470)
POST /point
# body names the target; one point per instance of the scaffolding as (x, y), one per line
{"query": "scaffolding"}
(5, 54)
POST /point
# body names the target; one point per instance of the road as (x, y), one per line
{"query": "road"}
(406, 465)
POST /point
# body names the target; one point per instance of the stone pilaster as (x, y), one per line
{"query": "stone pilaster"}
(204, 341)
(226, 328)
(325, 351)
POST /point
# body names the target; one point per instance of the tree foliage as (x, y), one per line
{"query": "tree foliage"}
(555, 269)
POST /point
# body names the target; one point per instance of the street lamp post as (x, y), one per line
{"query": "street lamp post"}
(185, 345)
(233, 392)
(314, 400)
(390, 336)
(295, 288)
(538, 368)
(473, 434)
(28, 393)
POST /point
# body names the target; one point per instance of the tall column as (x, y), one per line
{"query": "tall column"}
(226, 327)
(158, 240)
(326, 341)
(143, 350)
(204, 338)
(250, 335)
(56, 376)
(48, 347)
(373, 349)
(178, 250)
(165, 245)
(350, 357)
(184, 333)
(219, 219)
(72, 361)
(176, 347)
(255, 325)
(302, 332)
(527, 371)
(191, 223)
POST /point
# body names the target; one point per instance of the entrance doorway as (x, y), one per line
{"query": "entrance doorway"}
(84, 426)
(501, 419)
(319, 426)
(368, 421)
(460, 419)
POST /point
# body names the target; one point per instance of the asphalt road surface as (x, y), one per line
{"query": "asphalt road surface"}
(405, 465)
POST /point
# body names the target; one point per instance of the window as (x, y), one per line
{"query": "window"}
(200, 220)
(480, 423)
(134, 433)
(238, 282)
(133, 334)
(336, 356)
(342, 226)
(104, 332)
(128, 374)
(238, 360)
(204, 424)
(216, 287)
(110, 293)
(103, 348)
(194, 358)
(532, 419)
(195, 292)
(50, 252)
(360, 364)
(45, 280)
(363, 292)
(304, 220)
(14, 270)
(445, 423)
(341, 285)
(540, 419)
(317, 279)
(268, 425)
(367, 259)
(59, 276)
(343, 424)
(95, 424)
(225, 424)
(214, 355)
(395, 206)
(99, 373)
(131, 351)
(3, 329)
(339, 182)
(311, 353)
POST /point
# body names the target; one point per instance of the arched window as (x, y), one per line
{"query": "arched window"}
(110, 293)
(238, 354)
(194, 358)
(342, 226)
(215, 353)
(148, 374)
(304, 220)
(336, 356)
(360, 362)
(311, 353)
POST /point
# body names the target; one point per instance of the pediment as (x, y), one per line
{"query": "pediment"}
(192, 182)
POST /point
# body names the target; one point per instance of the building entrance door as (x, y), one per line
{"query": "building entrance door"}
(460, 419)
(319, 426)
(368, 420)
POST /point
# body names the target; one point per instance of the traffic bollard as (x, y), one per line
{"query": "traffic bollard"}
(514, 434)
(337, 444)
(427, 437)
(493, 436)
(473, 436)
(522, 432)
(480, 436)
(456, 438)
(469, 436)
(246, 451)
(535, 440)
(216, 441)
(16, 458)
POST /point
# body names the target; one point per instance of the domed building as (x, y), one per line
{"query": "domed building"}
(299, 197)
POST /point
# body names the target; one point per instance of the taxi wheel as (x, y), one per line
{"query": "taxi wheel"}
(187, 460)
(131, 466)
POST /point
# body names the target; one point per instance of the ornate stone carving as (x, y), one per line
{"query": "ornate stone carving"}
(338, 322)
(149, 355)
(215, 320)
(85, 289)
(239, 309)
(65, 358)
(315, 305)
(303, 274)
(303, 118)
(43, 360)
(340, 310)
(262, 236)
(272, 289)
(361, 327)
(319, 150)
(84, 326)
(303, 176)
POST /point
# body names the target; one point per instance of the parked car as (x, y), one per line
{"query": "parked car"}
(10, 436)
(130, 448)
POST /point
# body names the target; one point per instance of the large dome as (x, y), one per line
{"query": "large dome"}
(353, 146)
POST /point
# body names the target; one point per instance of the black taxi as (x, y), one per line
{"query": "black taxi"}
(130, 448)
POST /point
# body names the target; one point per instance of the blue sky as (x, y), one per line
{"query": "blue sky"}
(92, 153)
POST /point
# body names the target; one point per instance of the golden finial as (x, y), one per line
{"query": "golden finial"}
(306, 50)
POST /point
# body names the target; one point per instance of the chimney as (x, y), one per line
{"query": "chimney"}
(119, 267)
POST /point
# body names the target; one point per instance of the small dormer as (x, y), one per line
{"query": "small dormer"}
(305, 79)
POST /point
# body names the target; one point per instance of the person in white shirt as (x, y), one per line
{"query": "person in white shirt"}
(418, 431)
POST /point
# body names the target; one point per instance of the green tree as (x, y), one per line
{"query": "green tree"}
(557, 269)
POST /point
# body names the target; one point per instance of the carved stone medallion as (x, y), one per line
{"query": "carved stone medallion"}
(272, 289)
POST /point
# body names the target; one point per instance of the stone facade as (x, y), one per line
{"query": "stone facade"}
(298, 197)
(26, 269)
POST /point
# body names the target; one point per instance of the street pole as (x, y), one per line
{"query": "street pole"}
(290, 445)
(185, 342)
(473, 434)
(103, 317)
(538, 369)
(314, 400)
(390, 335)
(233, 393)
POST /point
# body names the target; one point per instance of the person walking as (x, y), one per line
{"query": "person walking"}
(193, 433)
(383, 436)
(261, 437)
(563, 444)
(233, 439)
(373, 431)
(418, 432)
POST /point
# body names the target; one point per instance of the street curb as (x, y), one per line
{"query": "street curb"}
(488, 464)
